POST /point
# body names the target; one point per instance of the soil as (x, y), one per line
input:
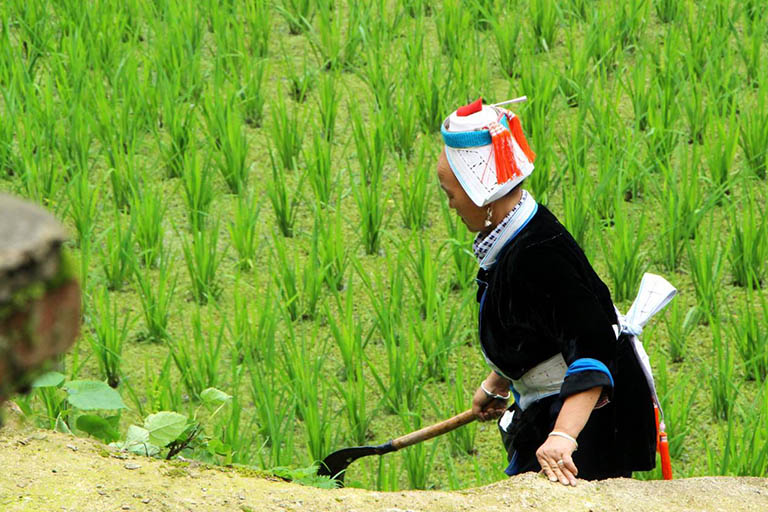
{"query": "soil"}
(48, 471)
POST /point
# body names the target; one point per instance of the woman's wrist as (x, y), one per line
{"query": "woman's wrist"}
(495, 393)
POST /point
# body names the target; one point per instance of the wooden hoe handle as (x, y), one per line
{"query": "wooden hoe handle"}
(435, 430)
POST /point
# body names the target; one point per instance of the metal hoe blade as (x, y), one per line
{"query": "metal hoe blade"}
(336, 464)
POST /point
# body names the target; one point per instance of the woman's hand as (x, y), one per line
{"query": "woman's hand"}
(485, 407)
(555, 460)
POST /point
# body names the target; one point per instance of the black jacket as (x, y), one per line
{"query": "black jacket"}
(542, 297)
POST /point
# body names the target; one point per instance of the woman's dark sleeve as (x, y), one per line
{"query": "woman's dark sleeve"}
(567, 305)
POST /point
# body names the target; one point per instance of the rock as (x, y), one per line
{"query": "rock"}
(131, 465)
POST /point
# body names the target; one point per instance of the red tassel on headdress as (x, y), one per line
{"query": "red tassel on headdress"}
(506, 166)
(517, 131)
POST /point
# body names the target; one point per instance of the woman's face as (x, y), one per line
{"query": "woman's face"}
(471, 214)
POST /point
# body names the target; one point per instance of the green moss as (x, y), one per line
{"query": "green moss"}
(34, 291)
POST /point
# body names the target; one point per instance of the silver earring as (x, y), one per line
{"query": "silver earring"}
(488, 214)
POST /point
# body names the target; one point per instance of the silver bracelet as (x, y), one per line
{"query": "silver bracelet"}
(494, 395)
(565, 436)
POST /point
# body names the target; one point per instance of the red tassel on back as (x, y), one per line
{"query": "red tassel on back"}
(517, 131)
(506, 166)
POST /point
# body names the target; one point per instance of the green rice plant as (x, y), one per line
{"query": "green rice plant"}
(577, 9)
(698, 43)
(697, 113)
(353, 396)
(536, 78)
(667, 10)
(147, 214)
(682, 207)
(438, 334)
(178, 43)
(160, 393)
(123, 177)
(334, 44)
(745, 454)
(506, 35)
(203, 258)
(386, 297)
(722, 377)
(679, 329)
(749, 242)
(754, 137)
(624, 257)
(156, 294)
(39, 180)
(301, 79)
(749, 328)
(243, 230)
(285, 202)
(117, 253)
(257, 17)
(312, 280)
(226, 138)
(427, 83)
(706, 261)
(199, 360)
(602, 44)
(109, 329)
(369, 191)
(459, 243)
(453, 24)
(199, 192)
(287, 133)
(417, 459)
(677, 402)
(424, 264)
(297, 14)
(250, 90)
(328, 103)
(413, 181)
(405, 377)
(663, 115)
(462, 440)
(287, 278)
(576, 75)
(632, 17)
(635, 83)
(722, 152)
(545, 18)
(403, 127)
(310, 390)
(751, 49)
(347, 331)
(330, 245)
(320, 169)
(722, 80)
(84, 196)
(179, 122)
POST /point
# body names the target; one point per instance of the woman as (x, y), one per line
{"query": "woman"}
(548, 328)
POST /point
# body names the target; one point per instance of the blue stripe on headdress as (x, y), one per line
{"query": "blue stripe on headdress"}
(469, 139)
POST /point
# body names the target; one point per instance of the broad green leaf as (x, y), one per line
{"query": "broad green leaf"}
(136, 434)
(97, 427)
(89, 395)
(213, 396)
(48, 380)
(164, 427)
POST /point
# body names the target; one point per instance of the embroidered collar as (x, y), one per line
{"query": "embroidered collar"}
(486, 247)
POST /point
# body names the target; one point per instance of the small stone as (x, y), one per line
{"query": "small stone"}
(145, 501)
(126, 507)
(72, 447)
(54, 471)
(131, 465)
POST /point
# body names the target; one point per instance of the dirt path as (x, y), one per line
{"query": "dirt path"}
(46, 471)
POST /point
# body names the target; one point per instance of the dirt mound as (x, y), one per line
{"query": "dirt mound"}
(47, 471)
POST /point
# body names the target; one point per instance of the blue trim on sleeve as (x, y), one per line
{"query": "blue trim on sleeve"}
(469, 139)
(586, 364)
(515, 394)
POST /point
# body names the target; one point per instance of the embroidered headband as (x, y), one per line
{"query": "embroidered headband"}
(487, 150)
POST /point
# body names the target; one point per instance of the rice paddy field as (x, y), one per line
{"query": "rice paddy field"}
(270, 271)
